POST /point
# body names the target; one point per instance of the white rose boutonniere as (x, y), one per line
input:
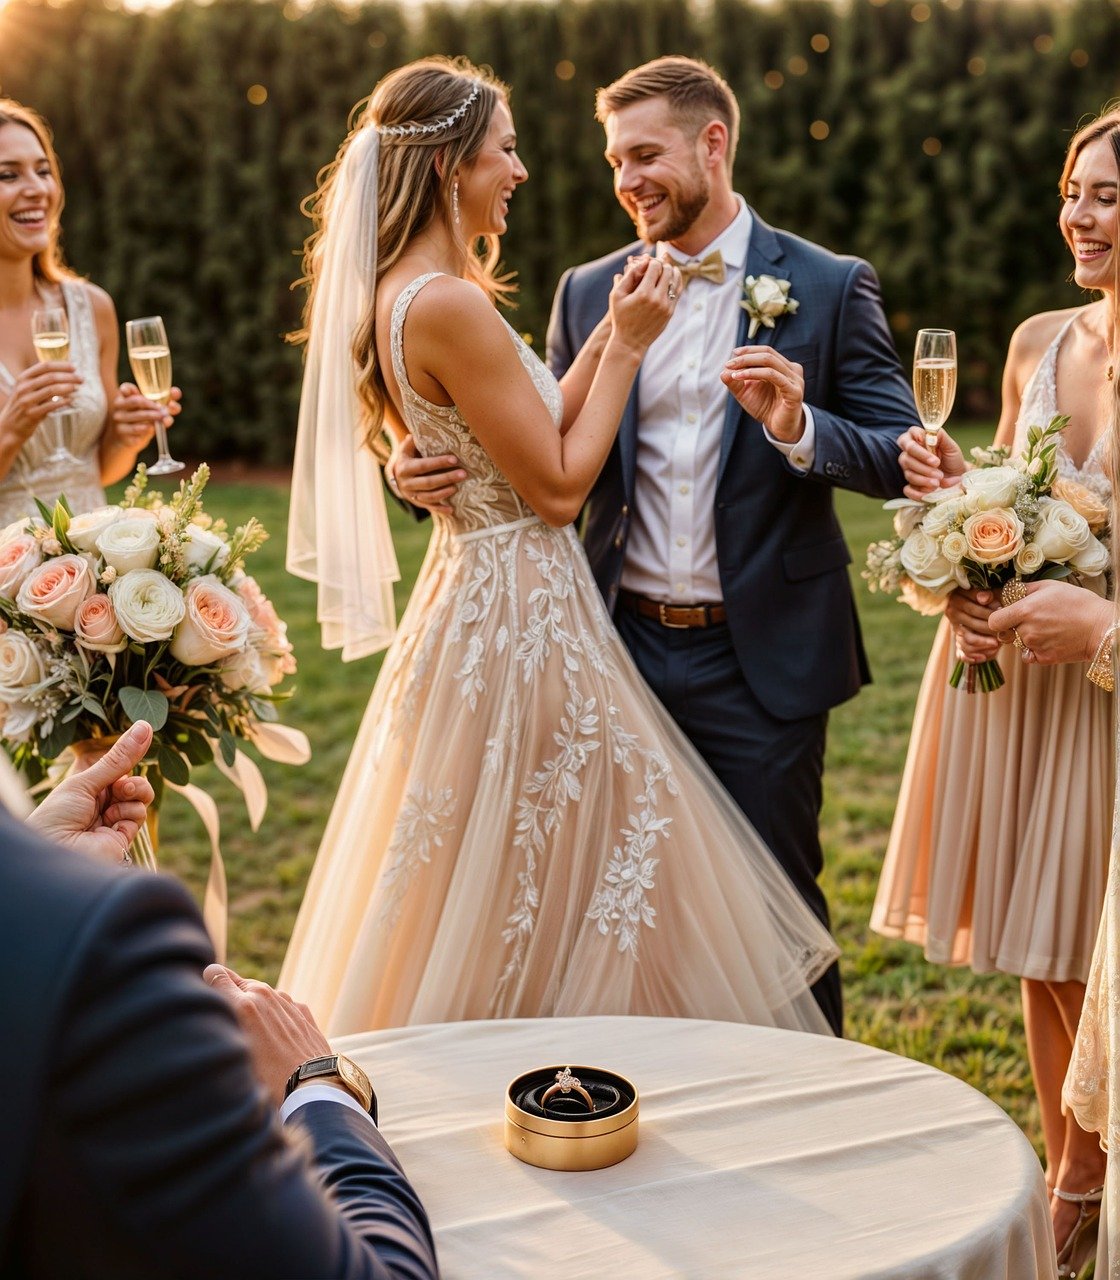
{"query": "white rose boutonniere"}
(765, 299)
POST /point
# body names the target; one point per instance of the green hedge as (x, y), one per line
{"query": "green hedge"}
(945, 124)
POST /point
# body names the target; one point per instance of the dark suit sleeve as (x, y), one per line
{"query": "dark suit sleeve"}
(165, 1129)
(870, 404)
(560, 349)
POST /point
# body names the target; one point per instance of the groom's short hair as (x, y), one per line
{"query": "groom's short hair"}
(695, 92)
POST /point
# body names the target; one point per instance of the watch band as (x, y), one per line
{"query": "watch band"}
(338, 1069)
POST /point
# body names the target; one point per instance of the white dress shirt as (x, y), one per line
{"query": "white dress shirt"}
(671, 550)
(320, 1093)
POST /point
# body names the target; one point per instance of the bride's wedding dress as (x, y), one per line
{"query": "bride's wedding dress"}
(521, 829)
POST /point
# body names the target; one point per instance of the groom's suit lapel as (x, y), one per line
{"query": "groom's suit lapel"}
(764, 257)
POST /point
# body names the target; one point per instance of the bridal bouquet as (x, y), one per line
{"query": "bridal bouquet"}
(142, 611)
(1008, 519)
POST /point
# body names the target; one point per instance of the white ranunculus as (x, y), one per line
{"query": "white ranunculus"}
(922, 559)
(86, 528)
(992, 486)
(1061, 533)
(1093, 561)
(129, 544)
(148, 605)
(205, 550)
(21, 663)
(216, 624)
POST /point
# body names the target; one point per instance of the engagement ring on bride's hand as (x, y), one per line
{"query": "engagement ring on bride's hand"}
(567, 1083)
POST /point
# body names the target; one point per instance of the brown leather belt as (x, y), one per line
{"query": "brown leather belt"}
(681, 617)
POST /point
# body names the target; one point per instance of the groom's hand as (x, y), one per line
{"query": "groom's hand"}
(770, 388)
(424, 482)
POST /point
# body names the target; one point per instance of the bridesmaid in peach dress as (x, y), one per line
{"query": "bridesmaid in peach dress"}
(998, 854)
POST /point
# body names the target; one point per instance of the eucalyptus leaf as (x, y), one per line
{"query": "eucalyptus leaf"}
(172, 766)
(59, 738)
(229, 747)
(145, 704)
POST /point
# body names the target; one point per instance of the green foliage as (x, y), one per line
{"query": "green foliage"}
(927, 138)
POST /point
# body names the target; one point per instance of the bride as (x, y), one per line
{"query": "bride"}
(521, 829)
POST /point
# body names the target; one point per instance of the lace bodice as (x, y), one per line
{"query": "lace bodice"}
(29, 478)
(1040, 404)
(486, 497)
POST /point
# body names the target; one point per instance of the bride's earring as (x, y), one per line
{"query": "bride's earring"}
(455, 201)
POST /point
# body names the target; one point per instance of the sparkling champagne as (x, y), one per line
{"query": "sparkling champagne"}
(151, 366)
(52, 346)
(935, 387)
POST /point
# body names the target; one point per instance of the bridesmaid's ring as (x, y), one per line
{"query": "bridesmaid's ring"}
(567, 1083)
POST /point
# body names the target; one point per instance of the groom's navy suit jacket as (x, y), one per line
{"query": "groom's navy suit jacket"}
(135, 1143)
(782, 556)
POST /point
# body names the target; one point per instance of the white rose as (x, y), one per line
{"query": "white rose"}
(1061, 533)
(769, 295)
(922, 559)
(86, 528)
(941, 517)
(216, 624)
(955, 547)
(992, 486)
(21, 662)
(20, 719)
(148, 605)
(1030, 558)
(1093, 560)
(205, 551)
(245, 670)
(129, 544)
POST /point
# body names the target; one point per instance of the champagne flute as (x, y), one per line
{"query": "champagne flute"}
(935, 379)
(149, 353)
(50, 335)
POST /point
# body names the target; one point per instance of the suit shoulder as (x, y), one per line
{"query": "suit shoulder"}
(837, 266)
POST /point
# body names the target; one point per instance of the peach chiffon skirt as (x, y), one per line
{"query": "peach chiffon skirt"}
(998, 854)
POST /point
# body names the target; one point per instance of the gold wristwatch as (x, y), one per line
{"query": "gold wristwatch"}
(340, 1070)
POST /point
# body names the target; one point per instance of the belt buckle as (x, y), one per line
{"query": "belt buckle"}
(663, 617)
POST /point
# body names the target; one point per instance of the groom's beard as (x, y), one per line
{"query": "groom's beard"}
(678, 211)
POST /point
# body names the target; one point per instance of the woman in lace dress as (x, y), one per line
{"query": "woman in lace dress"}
(521, 830)
(999, 851)
(110, 424)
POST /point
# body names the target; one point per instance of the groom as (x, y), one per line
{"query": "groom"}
(711, 531)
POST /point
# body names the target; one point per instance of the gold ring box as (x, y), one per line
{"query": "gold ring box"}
(571, 1143)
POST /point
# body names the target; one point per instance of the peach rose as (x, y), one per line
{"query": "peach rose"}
(993, 536)
(19, 554)
(53, 591)
(1084, 501)
(96, 626)
(216, 624)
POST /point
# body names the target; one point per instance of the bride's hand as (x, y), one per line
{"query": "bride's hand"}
(1056, 622)
(641, 302)
(927, 469)
(968, 613)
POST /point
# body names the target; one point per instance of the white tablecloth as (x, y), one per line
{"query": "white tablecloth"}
(762, 1153)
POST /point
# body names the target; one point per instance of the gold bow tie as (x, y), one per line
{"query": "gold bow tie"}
(709, 268)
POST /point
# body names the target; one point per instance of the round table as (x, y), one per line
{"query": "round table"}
(762, 1153)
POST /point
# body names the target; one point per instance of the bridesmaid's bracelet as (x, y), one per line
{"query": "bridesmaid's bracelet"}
(1100, 669)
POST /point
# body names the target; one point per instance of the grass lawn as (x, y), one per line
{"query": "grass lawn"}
(968, 1025)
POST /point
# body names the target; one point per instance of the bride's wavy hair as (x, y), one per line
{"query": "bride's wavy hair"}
(48, 264)
(416, 174)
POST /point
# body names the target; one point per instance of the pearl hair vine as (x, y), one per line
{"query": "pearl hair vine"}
(436, 126)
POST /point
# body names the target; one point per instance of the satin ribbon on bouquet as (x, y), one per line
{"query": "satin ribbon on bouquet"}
(277, 742)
